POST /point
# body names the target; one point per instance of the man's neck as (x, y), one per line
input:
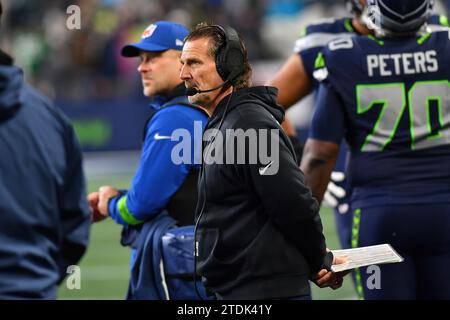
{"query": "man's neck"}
(212, 107)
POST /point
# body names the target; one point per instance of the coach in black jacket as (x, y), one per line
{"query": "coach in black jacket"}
(258, 227)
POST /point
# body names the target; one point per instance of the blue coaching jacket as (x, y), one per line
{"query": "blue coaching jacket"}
(146, 281)
(164, 180)
(43, 210)
(163, 167)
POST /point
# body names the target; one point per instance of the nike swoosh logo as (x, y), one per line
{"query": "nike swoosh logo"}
(159, 137)
(264, 169)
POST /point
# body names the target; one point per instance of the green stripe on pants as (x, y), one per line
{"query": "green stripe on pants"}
(355, 236)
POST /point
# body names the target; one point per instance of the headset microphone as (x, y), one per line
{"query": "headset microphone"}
(193, 91)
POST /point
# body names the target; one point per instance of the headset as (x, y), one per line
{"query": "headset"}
(229, 64)
(229, 60)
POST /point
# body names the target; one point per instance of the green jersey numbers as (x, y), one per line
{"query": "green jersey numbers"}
(428, 105)
(429, 113)
(392, 99)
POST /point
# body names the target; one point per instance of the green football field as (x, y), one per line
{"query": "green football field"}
(104, 268)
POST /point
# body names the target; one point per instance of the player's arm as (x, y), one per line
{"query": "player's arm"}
(322, 147)
(292, 81)
(293, 84)
(319, 158)
(288, 128)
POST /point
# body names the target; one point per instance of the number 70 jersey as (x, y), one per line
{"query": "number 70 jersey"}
(390, 98)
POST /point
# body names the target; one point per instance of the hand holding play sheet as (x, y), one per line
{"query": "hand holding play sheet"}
(365, 256)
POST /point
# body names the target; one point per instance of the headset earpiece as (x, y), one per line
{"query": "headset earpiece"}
(229, 58)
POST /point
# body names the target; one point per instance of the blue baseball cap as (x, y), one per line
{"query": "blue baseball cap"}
(159, 36)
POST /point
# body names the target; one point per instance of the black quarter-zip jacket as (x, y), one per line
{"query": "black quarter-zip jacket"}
(259, 234)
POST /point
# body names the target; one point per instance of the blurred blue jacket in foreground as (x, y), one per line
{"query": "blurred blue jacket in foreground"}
(44, 214)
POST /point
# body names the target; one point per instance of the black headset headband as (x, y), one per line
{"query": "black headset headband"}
(229, 57)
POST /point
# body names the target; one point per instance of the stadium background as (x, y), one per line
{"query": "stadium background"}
(101, 92)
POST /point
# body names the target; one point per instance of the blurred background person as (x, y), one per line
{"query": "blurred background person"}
(44, 210)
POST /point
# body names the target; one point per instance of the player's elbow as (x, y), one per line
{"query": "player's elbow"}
(318, 153)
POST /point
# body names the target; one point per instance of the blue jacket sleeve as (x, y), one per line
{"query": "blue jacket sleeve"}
(161, 170)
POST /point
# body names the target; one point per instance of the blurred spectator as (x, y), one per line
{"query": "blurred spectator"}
(45, 214)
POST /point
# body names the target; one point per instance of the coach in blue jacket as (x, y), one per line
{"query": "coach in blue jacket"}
(43, 209)
(161, 173)
(166, 177)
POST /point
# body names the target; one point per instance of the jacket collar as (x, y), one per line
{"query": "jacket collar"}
(264, 94)
(178, 93)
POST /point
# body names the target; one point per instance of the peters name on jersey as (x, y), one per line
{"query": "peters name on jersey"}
(386, 65)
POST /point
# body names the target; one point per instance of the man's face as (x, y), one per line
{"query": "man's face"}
(159, 71)
(199, 71)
